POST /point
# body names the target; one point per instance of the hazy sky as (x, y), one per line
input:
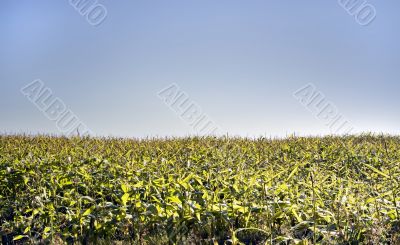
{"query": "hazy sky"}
(240, 61)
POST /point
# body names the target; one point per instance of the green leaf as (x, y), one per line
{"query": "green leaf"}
(19, 237)
(124, 199)
(124, 188)
(174, 199)
(377, 171)
(293, 173)
(27, 229)
(88, 211)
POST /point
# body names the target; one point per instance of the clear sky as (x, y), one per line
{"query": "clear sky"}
(240, 61)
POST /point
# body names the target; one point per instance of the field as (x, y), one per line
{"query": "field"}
(331, 190)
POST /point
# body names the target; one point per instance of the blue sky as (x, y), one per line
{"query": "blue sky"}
(240, 61)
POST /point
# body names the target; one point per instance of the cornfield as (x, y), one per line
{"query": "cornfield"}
(200, 190)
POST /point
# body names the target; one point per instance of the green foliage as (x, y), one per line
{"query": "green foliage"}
(331, 190)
